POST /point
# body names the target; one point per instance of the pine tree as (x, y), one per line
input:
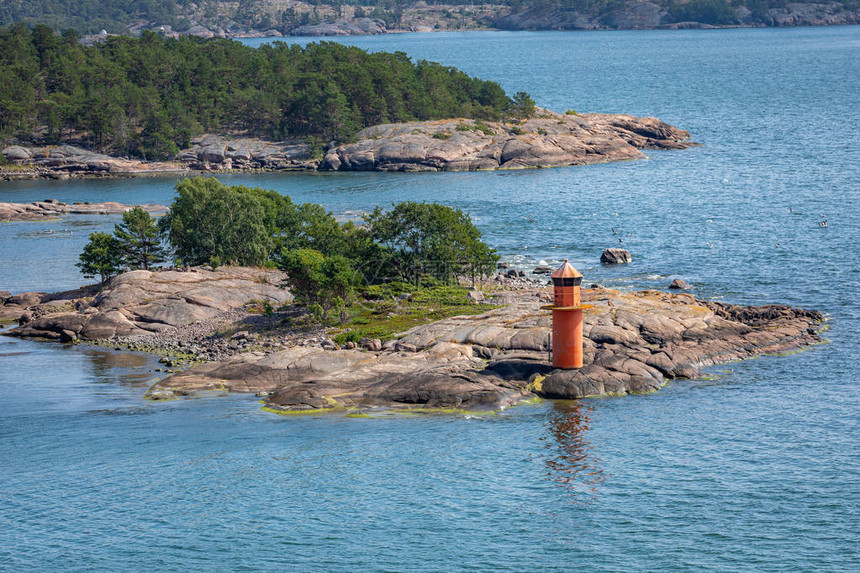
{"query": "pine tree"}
(139, 240)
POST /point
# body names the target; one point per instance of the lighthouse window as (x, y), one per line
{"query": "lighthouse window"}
(568, 282)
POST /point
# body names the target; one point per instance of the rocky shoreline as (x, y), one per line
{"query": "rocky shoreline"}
(324, 21)
(52, 208)
(634, 342)
(548, 140)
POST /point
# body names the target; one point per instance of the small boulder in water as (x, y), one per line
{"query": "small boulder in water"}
(543, 270)
(679, 284)
(616, 256)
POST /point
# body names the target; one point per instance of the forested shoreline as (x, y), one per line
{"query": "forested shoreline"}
(301, 17)
(149, 96)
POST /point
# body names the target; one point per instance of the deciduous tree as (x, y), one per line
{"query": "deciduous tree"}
(101, 256)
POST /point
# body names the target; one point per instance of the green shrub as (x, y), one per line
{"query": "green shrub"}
(322, 283)
(477, 126)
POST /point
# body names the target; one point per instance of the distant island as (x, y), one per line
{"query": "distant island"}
(259, 18)
(148, 97)
(166, 105)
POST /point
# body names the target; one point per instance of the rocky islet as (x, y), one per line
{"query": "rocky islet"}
(634, 342)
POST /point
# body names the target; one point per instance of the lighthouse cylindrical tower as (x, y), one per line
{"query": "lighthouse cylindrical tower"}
(566, 318)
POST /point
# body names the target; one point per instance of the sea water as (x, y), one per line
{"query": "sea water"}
(755, 468)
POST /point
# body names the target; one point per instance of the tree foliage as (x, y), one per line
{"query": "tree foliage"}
(523, 106)
(101, 256)
(250, 226)
(138, 240)
(325, 260)
(430, 239)
(149, 96)
(714, 12)
(320, 281)
(89, 15)
(210, 222)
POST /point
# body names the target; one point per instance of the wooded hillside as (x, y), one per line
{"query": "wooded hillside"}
(149, 96)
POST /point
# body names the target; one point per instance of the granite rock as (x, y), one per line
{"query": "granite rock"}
(616, 256)
(144, 302)
(634, 342)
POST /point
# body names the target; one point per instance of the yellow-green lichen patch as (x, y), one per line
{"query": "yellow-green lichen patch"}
(308, 412)
(536, 385)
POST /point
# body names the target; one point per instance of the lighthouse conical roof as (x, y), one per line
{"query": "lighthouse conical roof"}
(566, 271)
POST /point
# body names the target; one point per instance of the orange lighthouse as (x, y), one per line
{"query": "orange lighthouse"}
(566, 318)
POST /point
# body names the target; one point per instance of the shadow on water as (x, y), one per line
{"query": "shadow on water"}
(571, 461)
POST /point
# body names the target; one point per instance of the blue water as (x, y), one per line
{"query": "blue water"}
(757, 469)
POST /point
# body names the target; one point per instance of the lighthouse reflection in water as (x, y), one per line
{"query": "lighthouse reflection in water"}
(571, 461)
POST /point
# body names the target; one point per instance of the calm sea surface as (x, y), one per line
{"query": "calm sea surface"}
(755, 469)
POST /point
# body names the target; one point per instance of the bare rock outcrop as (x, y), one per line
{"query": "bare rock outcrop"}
(342, 27)
(62, 161)
(217, 153)
(51, 208)
(144, 302)
(634, 342)
(302, 378)
(550, 140)
(808, 14)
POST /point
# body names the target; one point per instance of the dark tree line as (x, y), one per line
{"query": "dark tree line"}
(90, 15)
(149, 96)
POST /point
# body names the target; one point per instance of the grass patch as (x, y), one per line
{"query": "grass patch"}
(383, 311)
(477, 126)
